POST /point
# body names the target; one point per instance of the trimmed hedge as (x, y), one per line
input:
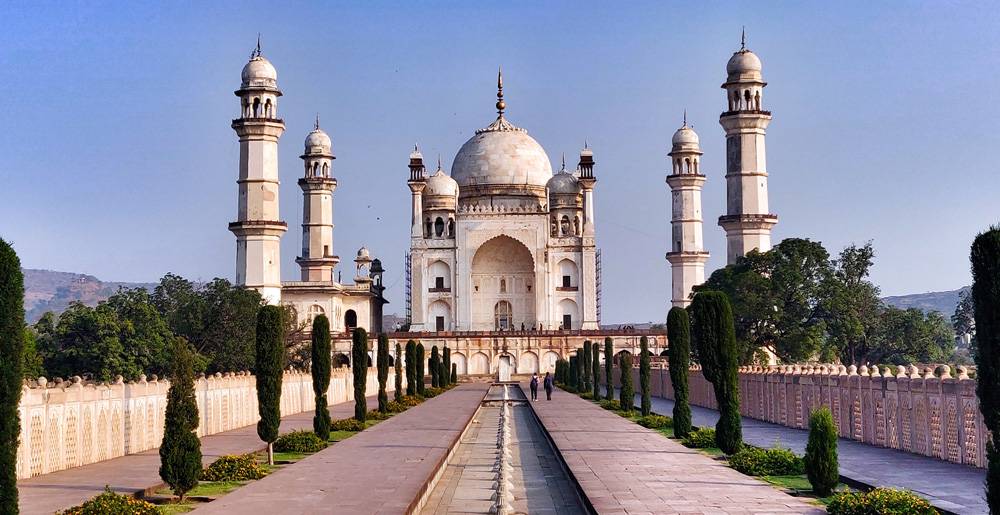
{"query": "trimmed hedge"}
(111, 503)
(883, 501)
(613, 405)
(347, 424)
(299, 441)
(655, 422)
(701, 438)
(11, 373)
(754, 461)
(243, 467)
(821, 462)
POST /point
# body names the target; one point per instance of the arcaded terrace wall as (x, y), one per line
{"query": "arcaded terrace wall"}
(904, 408)
(71, 424)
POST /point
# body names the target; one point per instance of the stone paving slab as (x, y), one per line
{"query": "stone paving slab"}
(624, 468)
(948, 486)
(383, 469)
(139, 472)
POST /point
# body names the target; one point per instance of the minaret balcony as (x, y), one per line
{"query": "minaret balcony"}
(756, 112)
(748, 221)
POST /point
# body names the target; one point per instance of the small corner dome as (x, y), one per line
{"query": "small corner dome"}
(685, 136)
(259, 72)
(318, 138)
(441, 184)
(744, 64)
(563, 183)
(363, 253)
(500, 157)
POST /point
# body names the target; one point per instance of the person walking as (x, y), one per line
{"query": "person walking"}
(534, 386)
(548, 384)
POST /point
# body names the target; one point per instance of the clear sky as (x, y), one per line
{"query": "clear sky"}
(117, 158)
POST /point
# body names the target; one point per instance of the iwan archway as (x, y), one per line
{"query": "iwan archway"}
(503, 286)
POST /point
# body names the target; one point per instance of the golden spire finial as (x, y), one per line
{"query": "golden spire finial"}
(500, 103)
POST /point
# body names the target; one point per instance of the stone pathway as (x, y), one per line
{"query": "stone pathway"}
(623, 467)
(383, 469)
(949, 486)
(139, 472)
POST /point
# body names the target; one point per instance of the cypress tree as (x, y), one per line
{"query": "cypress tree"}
(573, 371)
(11, 354)
(397, 365)
(644, 372)
(180, 450)
(442, 374)
(715, 337)
(609, 362)
(359, 369)
(454, 373)
(985, 257)
(421, 371)
(270, 353)
(587, 367)
(596, 365)
(821, 453)
(411, 368)
(447, 366)
(679, 341)
(627, 395)
(435, 367)
(382, 362)
(320, 368)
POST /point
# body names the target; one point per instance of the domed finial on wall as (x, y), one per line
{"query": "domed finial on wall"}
(500, 103)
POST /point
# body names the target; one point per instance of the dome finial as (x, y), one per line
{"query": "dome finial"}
(256, 52)
(500, 103)
(563, 162)
(685, 118)
(316, 125)
(743, 39)
(439, 162)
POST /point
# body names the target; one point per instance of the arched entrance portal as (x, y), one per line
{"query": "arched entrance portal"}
(505, 367)
(503, 285)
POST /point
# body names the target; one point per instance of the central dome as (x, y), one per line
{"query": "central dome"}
(500, 155)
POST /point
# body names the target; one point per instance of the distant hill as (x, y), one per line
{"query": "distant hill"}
(46, 290)
(943, 301)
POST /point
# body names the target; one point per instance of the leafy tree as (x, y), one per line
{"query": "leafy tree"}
(587, 367)
(644, 373)
(609, 361)
(268, 369)
(180, 450)
(821, 453)
(421, 363)
(852, 306)
(964, 319)
(679, 340)
(320, 368)
(435, 368)
(382, 361)
(359, 361)
(397, 365)
(627, 394)
(85, 341)
(411, 367)
(715, 339)
(31, 360)
(985, 257)
(910, 336)
(11, 373)
(595, 351)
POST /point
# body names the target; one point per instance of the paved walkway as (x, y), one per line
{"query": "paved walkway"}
(383, 469)
(949, 486)
(134, 473)
(623, 467)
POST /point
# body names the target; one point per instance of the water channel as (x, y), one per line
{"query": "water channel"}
(504, 464)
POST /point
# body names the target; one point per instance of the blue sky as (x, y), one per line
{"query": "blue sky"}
(118, 159)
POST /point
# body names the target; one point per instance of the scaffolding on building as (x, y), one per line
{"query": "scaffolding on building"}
(409, 298)
(598, 287)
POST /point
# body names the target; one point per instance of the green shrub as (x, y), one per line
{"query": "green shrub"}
(609, 361)
(433, 391)
(627, 394)
(180, 449)
(243, 467)
(881, 501)
(701, 438)
(655, 421)
(111, 503)
(378, 415)
(359, 371)
(411, 367)
(397, 366)
(347, 424)
(821, 453)
(421, 367)
(596, 371)
(586, 395)
(644, 377)
(613, 405)
(382, 371)
(754, 461)
(299, 441)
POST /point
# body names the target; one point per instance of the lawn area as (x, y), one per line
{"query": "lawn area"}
(336, 436)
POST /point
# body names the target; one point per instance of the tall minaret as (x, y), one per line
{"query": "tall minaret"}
(747, 221)
(317, 259)
(417, 183)
(258, 228)
(687, 255)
